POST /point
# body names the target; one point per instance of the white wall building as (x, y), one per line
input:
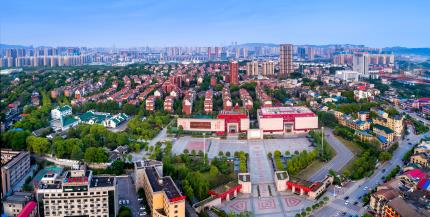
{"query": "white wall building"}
(347, 75)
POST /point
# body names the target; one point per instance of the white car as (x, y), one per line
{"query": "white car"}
(120, 202)
(347, 202)
(365, 188)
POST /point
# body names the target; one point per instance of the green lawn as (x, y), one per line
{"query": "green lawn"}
(351, 146)
(310, 170)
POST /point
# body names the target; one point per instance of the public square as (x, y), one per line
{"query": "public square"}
(215, 145)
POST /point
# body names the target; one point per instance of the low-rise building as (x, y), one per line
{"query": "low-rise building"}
(246, 99)
(15, 203)
(380, 198)
(150, 103)
(168, 104)
(421, 154)
(384, 131)
(62, 118)
(398, 207)
(162, 195)
(347, 75)
(208, 103)
(29, 210)
(77, 193)
(15, 166)
(280, 120)
(395, 122)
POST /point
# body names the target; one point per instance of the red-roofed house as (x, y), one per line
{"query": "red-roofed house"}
(413, 177)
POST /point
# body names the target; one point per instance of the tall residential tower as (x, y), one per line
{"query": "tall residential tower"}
(286, 59)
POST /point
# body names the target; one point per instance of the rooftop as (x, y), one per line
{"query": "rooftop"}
(10, 158)
(285, 110)
(282, 175)
(19, 197)
(245, 177)
(405, 209)
(102, 181)
(147, 163)
(223, 188)
(164, 184)
(383, 128)
(301, 182)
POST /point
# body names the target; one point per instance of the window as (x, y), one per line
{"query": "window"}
(176, 206)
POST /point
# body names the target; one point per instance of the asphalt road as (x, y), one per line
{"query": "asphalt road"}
(162, 135)
(356, 190)
(343, 156)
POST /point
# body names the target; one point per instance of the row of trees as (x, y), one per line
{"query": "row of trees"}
(325, 151)
(242, 162)
(300, 161)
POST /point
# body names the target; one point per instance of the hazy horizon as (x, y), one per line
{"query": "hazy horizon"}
(132, 23)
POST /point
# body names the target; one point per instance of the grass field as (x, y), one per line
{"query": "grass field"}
(351, 146)
(310, 170)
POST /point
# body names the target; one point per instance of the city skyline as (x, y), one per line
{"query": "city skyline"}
(189, 23)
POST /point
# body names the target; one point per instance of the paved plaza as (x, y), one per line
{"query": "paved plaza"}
(215, 145)
(264, 199)
(281, 204)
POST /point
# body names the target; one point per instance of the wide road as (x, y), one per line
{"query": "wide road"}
(356, 190)
(161, 136)
(343, 156)
(414, 115)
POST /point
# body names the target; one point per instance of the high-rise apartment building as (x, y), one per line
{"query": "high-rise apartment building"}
(360, 64)
(252, 68)
(268, 68)
(286, 59)
(77, 193)
(234, 73)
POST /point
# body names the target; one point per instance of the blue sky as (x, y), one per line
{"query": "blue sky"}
(130, 23)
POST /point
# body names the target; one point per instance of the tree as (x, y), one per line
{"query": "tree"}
(384, 156)
(130, 109)
(76, 153)
(15, 139)
(213, 172)
(188, 190)
(96, 155)
(117, 167)
(38, 145)
(124, 212)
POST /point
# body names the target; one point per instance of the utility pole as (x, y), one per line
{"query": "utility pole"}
(322, 141)
(204, 148)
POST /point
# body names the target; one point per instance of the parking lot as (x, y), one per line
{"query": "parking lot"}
(127, 193)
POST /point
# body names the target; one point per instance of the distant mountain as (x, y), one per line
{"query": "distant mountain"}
(409, 51)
